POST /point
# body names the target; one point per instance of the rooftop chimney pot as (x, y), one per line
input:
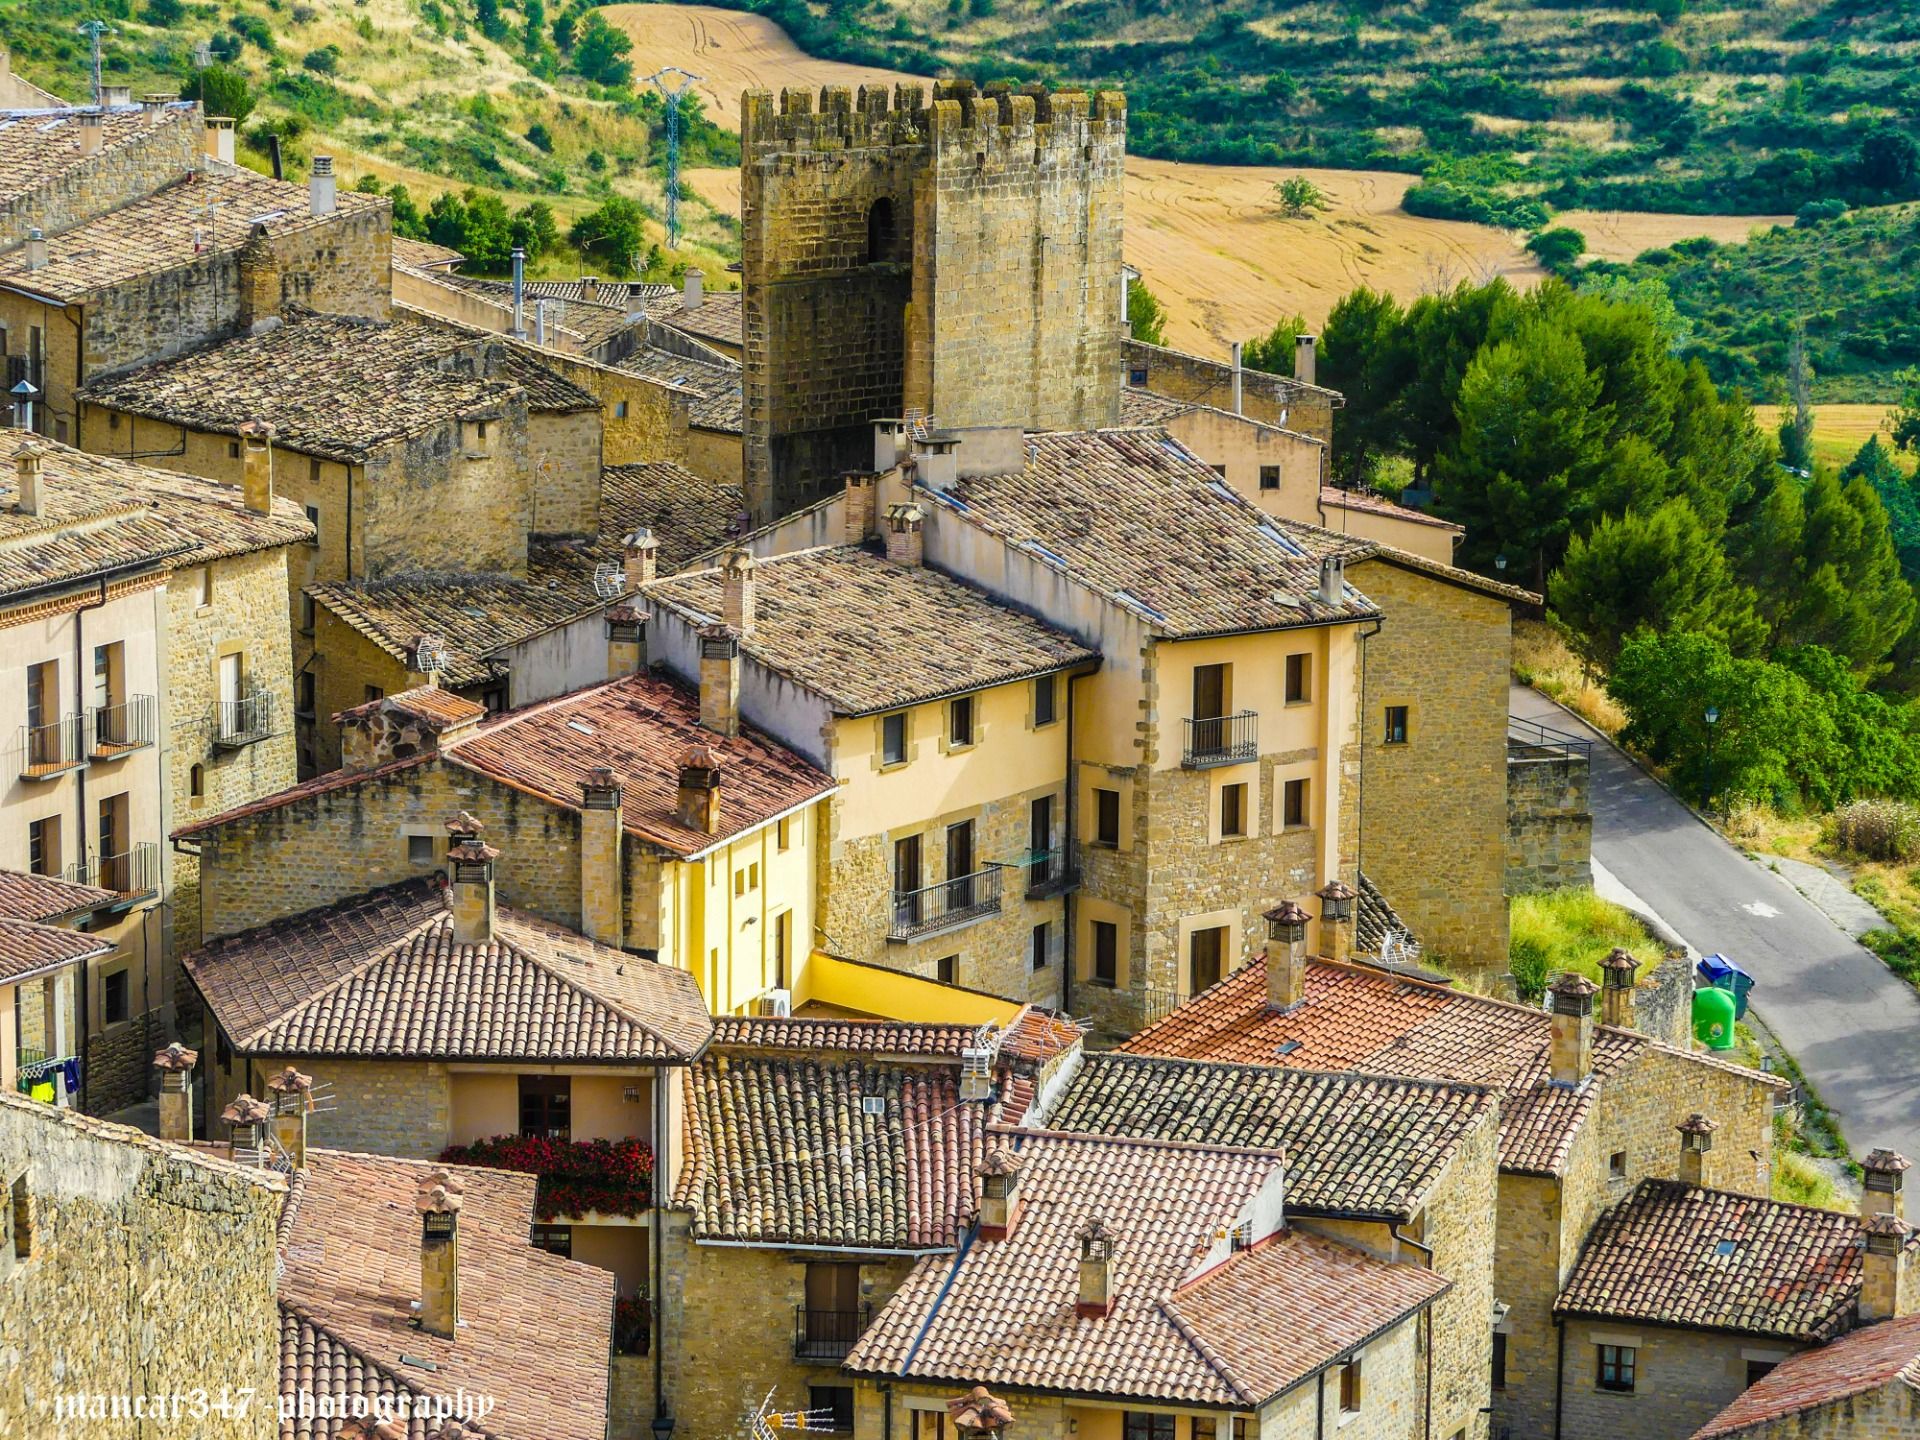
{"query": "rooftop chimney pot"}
(691, 293)
(738, 586)
(92, 133)
(438, 1202)
(999, 1193)
(320, 186)
(36, 249)
(1303, 357)
(472, 881)
(1286, 955)
(906, 542)
(1096, 1269)
(1616, 999)
(697, 794)
(175, 1064)
(29, 463)
(1571, 1023)
(256, 466)
(720, 679)
(639, 554)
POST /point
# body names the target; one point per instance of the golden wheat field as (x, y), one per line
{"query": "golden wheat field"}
(1210, 240)
(1838, 430)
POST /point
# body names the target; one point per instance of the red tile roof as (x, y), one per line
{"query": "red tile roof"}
(438, 709)
(47, 897)
(1879, 1355)
(1674, 1254)
(898, 1039)
(639, 726)
(27, 948)
(535, 1329)
(1380, 505)
(1037, 1035)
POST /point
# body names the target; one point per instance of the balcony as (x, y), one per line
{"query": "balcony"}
(576, 1177)
(949, 905)
(116, 730)
(1222, 740)
(242, 722)
(828, 1335)
(51, 749)
(133, 873)
(1050, 873)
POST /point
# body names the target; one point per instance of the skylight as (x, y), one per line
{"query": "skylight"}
(582, 726)
(1285, 541)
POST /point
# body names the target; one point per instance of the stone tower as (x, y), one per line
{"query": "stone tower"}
(961, 258)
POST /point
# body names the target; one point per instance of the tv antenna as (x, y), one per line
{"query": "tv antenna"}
(609, 580)
(673, 83)
(95, 29)
(769, 1423)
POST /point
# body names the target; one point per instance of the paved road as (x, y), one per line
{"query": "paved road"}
(1851, 1023)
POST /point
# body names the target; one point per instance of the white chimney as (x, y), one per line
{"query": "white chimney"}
(217, 140)
(519, 292)
(27, 461)
(1303, 357)
(115, 95)
(690, 294)
(320, 191)
(1333, 579)
(36, 249)
(889, 444)
(92, 133)
(1238, 409)
(938, 460)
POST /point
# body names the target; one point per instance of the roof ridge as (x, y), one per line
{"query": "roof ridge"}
(585, 991)
(1425, 1082)
(1661, 1182)
(1169, 1310)
(381, 953)
(1143, 1142)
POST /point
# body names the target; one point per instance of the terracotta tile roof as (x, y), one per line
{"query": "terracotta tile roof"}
(423, 254)
(381, 976)
(1149, 407)
(1003, 1311)
(438, 709)
(318, 785)
(335, 386)
(868, 634)
(28, 948)
(1788, 1271)
(719, 317)
(781, 1151)
(535, 1330)
(1138, 518)
(47, 897)
(896, 1038)
(1355, 1144)
(1037, 1035)
(101, 516)
(548, 392)
(1887, 1353)
(1379, 505)
(204, 212)
(639, 726)
(1453, 574)
(35, 149)
(717, 402)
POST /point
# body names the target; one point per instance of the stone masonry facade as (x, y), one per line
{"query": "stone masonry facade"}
(1277, 400)
(1549, 821)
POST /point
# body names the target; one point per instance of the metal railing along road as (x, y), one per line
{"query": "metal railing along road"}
(1534, 735)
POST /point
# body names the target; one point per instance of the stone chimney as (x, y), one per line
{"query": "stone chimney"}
(1096, 1270)
(889, 444)
(217, 139)
(1696, 1139)
(601, 876)
(738, 585)
(626, 641)
(979, 1414)
(720, 679)
(1303, 357)
(472, 881)
(999, 1193)
(906, 544)
(175, 1064)
(690, 291)
(93, 133)
(696, 800)
(246, 1120)
(292, 1103)
(1572, 1023)
(321, 195)
(153, 106)
(256, 466)
(589, 288)
(640, 557)
(1337, 900)
(937, 458)
(1881, 1194)
(438, 1201)
(1616, 991)
(1286, 955)
(36, 249)
(259, 307)
(29, 463)
(862, 495)
(114, 96)
(1880, 1267)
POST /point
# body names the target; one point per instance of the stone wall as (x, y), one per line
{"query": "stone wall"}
(1271, 399)
(150, 1271)
(444, 499)
(139, 163)
(1549, 821)
(1683, 1379)
(565, 451)
(640, 419)
(119, 1060)
(346, 667)
(1434, 809)
(1887, 1412)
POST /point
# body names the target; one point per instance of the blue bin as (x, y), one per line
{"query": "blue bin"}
(1722, 974)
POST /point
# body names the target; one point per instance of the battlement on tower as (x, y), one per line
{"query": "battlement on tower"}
(958, 115)
(871, 117)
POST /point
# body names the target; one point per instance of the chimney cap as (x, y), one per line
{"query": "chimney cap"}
(1574, 986)
(438, 1194)
(1096, 1240)
(1886, 1233)
(979, 1411)
(1620, 967)
(261, 430)
(700, 757)
(245, 1110)
(28, 450)
(1886, 1162)
(1697, 1124)
(1001, 1161)
(640, 539)
(176, 1057)
(737, 558)
(905, 515)
(463, 826)
(290, 1082)
(472, 850)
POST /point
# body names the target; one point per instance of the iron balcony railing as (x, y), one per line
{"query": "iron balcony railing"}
(243, 721)
(113, 730)
(134, 871)
(1051, 872)
(1158, 1004)
(51, 749)
(1222, 740)
(945, 906)
(828, 1334)
(1532, 735)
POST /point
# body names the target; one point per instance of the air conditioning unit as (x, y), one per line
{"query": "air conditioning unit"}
(777, 1003)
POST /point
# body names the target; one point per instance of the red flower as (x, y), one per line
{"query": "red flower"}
(612, 1177)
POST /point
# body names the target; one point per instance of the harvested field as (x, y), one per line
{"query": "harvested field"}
(1838, 430)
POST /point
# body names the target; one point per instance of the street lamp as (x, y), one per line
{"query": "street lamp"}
(1500, 562)
(1713, 726)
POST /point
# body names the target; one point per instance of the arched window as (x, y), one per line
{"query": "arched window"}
(197, 781)
(879, 229)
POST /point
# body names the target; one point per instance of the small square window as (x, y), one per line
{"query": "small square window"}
(1617, 1165)
(420, 850)
(113, 990)
(893, 738)
(1293, 804)
(1351, 1393)
(1299, 678)
(554, 1239)
(233, 449)
(835, 1401)
(947, 969)
(960, 721)
(1269, 477)
(619, 409)
(1220, 470)
(782, 837)
(1137, 375)
(1396, 726)
(1233, 810)
(1616, 1367)
(1037, 954)
(1106, 817)
(1046, 700)
(373, 693)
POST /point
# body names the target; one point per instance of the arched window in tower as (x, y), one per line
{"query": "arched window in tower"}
(879, 230)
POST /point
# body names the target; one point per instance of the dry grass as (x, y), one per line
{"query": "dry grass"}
(1625, 234)
(1541, 659)
(1838, 430)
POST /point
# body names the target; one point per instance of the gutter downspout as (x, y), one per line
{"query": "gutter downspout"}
(1559, 1370)
(1426, 1328)
(1360, 800)
(656, 1240)
(1320, 1406)
(885, 1388)
(1066, 901)
(73, 314)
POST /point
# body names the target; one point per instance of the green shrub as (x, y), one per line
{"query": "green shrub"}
(1560, 930)
(1878, 829)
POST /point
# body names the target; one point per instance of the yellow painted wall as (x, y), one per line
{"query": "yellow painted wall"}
(601, 1110)
(895, 995)
(484, 1104)
(723, 930)
(1433, 542)
(619, 1248)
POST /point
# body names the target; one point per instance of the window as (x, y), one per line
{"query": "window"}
(113, 419)
(1139, 1425)
(554, 1239)
(480, 431)
(1350, 1391)
(782, 838)
(43, 846)
(1293, 804)
(113, 997)
(1499, 1360)
(493, 699)
(1616, 1367)
(233, 449)
(313, 474)
(21, 1206)
(197, 783)
(1210, 691)
(313, 519)
(373, 693)
(893, 738)
(1046, 700)
(782, 948)
(546, 1106)
(109, 676)
(303, 692)
(1137, 375)
(203, 586)
(947, 969)
(835, 1400)
(1299, 678)
(960, 721)
(1106, 953)
(1220, 470)
(906, 880)
(1040, 840)
(1269, 477)
(929, 1424)
(306, 613)
(879, 230)
(1759, 1369)
(112, 854)
(619, 409)
(1206, 958)
(831, 1320)
(1038, 952)
(1233, 810)
(420, 850)
(961, 883)
(1106, 817)
(1617, 1165)
(1396, 728)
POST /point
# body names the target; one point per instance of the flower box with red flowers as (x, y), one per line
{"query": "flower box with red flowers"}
(577, 1177)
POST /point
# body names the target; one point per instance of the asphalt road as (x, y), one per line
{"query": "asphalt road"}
(1853, 1026)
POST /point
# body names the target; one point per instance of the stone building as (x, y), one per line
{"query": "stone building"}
(141, 615)
(941, 715)
(891, 264)
(83, 161)
(131, 1267)
(1865, 1383)
(1286, 402)
(44, 949)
